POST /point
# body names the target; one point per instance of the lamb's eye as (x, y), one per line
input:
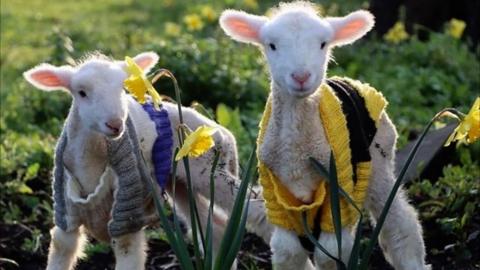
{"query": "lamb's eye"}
(82, 93)
(323, 45)
(272, 46)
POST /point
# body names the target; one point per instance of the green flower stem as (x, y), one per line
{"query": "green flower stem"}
(165, 72)
(174, 237)
(194, 216)
(208, 263)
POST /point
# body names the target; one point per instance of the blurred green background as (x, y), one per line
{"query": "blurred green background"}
(418, 78)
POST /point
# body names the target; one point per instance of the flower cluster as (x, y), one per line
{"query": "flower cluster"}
(396, 34)
(193, 22)
(455, 28)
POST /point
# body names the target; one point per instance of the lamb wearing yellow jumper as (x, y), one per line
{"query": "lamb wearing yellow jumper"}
(309, 116)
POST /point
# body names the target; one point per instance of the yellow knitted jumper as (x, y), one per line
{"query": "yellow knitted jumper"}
(283, 209)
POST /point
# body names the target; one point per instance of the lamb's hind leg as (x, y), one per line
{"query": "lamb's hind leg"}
(65, 248)
(182, 206)
(130, 251)
(401, 235)
(226, 189)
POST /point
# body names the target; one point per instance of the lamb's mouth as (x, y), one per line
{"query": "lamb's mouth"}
(302, 91)
(113, 135)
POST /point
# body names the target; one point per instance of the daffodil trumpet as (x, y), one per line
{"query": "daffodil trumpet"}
(468, 129)
(197, 142)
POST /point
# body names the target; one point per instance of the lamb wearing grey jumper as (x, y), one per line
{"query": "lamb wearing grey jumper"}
(103, 160)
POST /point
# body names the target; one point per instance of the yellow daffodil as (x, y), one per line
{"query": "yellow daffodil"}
(252, 4)
(396, 34)
(138, 84)
(172, 29)
(208, 13)
(468, 130)
(455, 28)
(193, 22)
(197, 143)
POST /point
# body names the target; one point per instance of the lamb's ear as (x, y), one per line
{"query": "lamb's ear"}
(47, 77)
(146, 60)
(351, 27)
(242, 26)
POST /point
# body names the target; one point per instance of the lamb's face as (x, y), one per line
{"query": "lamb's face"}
(96, 87)
(296, 41)
(296, 47)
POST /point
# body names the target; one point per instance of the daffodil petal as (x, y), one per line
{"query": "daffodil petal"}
(183, 152)
(468, 130)
(207, 131)
(132, 67)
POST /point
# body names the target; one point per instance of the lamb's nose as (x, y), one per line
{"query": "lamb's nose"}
(301, 77)
(115, 125)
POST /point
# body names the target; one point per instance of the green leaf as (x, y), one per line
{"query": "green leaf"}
(335, 209)
(175, 237)
(209, 246)
(320, 169)
(24, 189)
(194, 218)
(237, 239)
(235, 224)
(32, 171)
(355, 253)
(223, 115)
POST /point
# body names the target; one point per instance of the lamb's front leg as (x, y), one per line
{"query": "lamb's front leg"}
(65, 248)
(130, 251)
(401, 235)
(287, 251)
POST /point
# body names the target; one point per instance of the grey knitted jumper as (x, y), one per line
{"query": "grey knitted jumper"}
(119, 205)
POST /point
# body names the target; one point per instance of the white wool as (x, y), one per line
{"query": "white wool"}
(297, 44)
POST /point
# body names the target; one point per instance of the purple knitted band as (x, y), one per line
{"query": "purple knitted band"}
(162, 148)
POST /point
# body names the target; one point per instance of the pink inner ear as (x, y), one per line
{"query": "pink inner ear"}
(144, 62)
(241, 28)
(350, 29)
(47, 78)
